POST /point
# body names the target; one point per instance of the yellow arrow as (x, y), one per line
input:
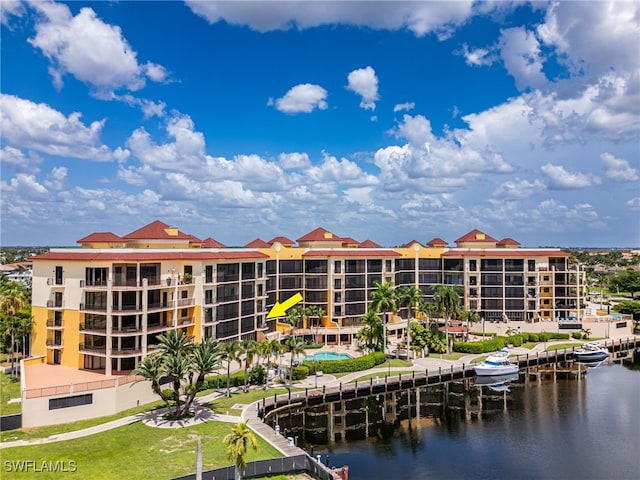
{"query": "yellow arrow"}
(279, 309)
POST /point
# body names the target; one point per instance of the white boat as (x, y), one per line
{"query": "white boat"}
(590, 352)
(496, 364)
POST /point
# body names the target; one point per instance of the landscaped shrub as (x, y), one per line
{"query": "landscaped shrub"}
(169, 394)
(257, 375)
(350, 365)
(577, 335)
(218, 382)
(484, 346)
(300, 372)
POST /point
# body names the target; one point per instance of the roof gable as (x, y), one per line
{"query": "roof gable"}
(282, 241)
(158, 230)
(320, 235)
(476, 236)
(257, 243)
(212, 243)
(437, 242)
(101, 237)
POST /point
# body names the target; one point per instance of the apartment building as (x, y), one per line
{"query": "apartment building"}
(101, 306)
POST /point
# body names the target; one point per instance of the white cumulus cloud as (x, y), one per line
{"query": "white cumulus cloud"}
(560, 179)
(364, 82)
(303, 98)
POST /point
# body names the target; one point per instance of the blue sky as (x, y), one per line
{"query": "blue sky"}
(388, 121)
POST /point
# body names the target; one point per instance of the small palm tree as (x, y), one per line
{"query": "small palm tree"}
(447, 302)
(372, 334)
(249, 350)
(238, 443)
(231, 353)
(295, 348)
(586, 333)
(383, 300)
(13, 298)
(409, 297)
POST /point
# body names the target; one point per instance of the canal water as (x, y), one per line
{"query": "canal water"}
(536, 427)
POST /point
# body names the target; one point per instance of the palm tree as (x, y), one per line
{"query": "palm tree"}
(586, 333)
(13, 298)
(249, 350)
(206, 358)
(238, 442)
(372, 334)
(295, 347)
(184, 363)
(293, 317)
(151, 368)
(447, 302)
(383, 300)
(409, 297)
(263, 349)
(230, 353)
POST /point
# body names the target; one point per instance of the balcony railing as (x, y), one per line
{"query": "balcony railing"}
(126, 351)
(56, 282)
(93, 307)
(54, 324)
(92, 328)
(55, 304)
(93, 348)
(53, 343)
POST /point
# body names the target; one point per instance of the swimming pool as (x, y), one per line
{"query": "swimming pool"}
(317, 357)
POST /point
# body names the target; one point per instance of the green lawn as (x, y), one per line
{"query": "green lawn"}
(135, 451)
(9, 389)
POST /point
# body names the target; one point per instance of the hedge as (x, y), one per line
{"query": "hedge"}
(496, 343)
(345, 366)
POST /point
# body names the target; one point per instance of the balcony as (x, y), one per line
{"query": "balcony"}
(93, 307)
(54, 343)
(126, 351)
(55, 304)
(55, 282)
(158, 327)
(54, 324)
(83, 327)
(94, 349)
(119, 309)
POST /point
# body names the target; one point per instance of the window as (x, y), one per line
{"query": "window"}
(74, 401)
(96, 276)
(248, 271)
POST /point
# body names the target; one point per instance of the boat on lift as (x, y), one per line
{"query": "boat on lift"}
(496, 364)
(590, 352)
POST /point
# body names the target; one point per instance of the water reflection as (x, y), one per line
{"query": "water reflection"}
(543, 423)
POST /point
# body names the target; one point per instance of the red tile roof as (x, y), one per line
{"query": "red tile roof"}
(257, 243)
(282, 240)
(508, 241)
(521, 253)
(318, 235)
(212, 243)
(157, 231)
(369, 244)
(87, 255)
(351, 252)
(101, 237)
(473, 235)
(437, 242)
(408, 244)
(349, 241)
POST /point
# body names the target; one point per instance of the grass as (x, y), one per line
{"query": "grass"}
(381, 376)
(222, 404)
(9, 389)
(49, 430)
(138, 451)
